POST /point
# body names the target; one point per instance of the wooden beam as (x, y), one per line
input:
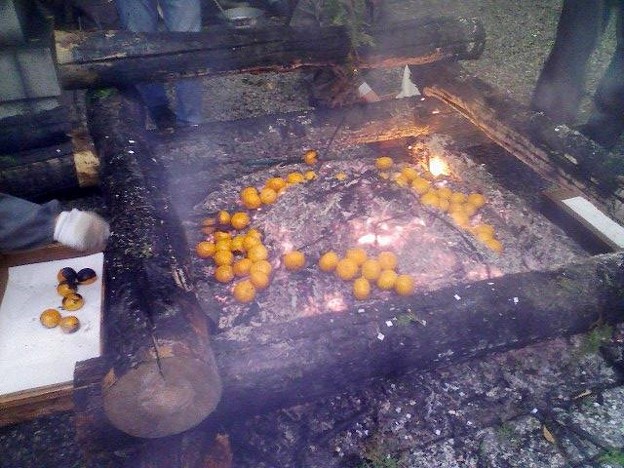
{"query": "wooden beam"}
(121, 58)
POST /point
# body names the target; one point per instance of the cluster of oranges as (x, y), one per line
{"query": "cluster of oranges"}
(459, 206)
(253, 198)
(366, 272)
(238, 254)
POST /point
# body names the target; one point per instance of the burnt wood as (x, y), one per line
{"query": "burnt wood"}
(280, 365)
(162, 377)
(43, 129)
(115, 58)
(561, 155)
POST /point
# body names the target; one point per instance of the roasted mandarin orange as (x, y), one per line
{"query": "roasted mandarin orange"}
(239, 220)
(244, 291)
(387, 260)
(309, 157)
(294, 260)
(263, 265)
(50, 318)
(259, 279)
(268, 196)
(205, 249)
(386, 280)
(241, 267)
(223, 257)
(64, 288)
(66, 274)
(361, 289)
(257, 253)
(223, 217)
(72, 301)
(224, 273)
(86, 276)
(371, 269)
(69, 324)
(346, 269)
(357, 254)
(328, 261)
(404, 285)
(383, 163)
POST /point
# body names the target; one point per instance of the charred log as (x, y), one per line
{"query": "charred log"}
(93, 59)
(162, 378)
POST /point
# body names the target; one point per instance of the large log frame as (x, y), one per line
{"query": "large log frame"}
(94, 59)
(162, 377)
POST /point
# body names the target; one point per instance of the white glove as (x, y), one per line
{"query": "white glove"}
(81, 230)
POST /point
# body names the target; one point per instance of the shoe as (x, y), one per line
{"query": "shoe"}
(605, 129)
(163, 117)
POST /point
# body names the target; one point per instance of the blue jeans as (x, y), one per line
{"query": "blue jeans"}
(180, 16)
(24, 224)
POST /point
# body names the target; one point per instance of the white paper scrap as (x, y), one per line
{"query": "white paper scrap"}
(408, 88)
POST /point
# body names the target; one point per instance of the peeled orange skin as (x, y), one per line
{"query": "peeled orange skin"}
(294, 260)
(244, 291)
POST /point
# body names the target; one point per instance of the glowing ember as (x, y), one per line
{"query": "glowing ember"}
(335, 303)
(438, 167)
(367, 239)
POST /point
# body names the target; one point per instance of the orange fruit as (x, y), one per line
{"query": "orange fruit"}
(404, 285)
(361, 289)
(208, 230)
(64, 288)
(383, 163)
(237, 244)
(72, 301)
(401, 180)
(341, 176)
(275, 183)
(309, 157)
(328, 261)
(50, 318)
(445, 193)
(253, 232)
(457, 197)
(263, 266)
(410, 173)
(484, 229)
(248, 191)
(67, 274)
(268, 196)
(224, 273)
(294, 260)
(86, 276)
(241, 267)
(387, 280)
(223, 217)
(250, 241)
(295, 178)
(494, 245)
(444, 204)
(69, 324)
(209, 222)
(469, 209)
(430, 199)
(420, 185)
(225, 244)
(357, 254)
(346, 269)
(252, 201)
(309, 175)
(259, 279)
(239, 220)
(484, 236)
(257, 252)
(223, 257)
(387, 260)
(371, 269)
(244, 291)
(456, 208)
(205, 249)
(460, 218)
(476, 199)
(221, 235)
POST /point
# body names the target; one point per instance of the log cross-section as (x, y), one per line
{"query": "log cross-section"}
(163, 378)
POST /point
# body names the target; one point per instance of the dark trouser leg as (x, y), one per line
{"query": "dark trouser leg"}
(560, 86)
(606, 123)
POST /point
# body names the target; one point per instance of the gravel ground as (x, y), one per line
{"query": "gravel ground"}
(490, 412)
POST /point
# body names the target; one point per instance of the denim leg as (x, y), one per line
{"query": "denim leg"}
(142, 16)
(24, 224)
(185, 16)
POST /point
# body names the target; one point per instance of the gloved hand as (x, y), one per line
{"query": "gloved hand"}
(81, 230)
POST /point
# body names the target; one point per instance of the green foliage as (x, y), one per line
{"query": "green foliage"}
(378, 460)
(612, 457)
(595, 338)
(354, 15)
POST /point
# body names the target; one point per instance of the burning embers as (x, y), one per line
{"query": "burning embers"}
(437, 228)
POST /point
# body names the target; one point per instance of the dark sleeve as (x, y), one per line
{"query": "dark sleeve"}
(24, 224)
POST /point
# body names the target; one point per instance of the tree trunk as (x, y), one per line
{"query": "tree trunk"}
(163, 379)
(121, 58)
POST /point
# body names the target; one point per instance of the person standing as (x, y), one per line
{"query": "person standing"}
(560, 86)
(178, 16)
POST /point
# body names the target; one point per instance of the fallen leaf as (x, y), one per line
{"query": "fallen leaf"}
(548, 435)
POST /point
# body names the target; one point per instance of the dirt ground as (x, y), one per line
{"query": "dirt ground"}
(558, 403)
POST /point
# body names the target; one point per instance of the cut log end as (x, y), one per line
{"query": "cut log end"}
(161, 399)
